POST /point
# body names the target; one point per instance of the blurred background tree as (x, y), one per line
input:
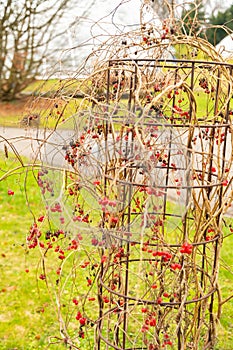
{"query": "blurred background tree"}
(28, 27)
(193, 18)
(214, 26)
(221, 24)
(37, 31)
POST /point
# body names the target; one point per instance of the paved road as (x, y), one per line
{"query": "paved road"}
(31, 144)
(49, 148)
(20, 140)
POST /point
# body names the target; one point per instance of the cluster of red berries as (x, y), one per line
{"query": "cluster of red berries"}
(72, 152)
(43, 183)
(53, 235)
(80, 215)
(151, 191)
(79, 218)
(119, 254)
(220, 137)
(105, 201)
(34, 235)
(203, 83)
(97, 243)
(10, 192)
(73, 191)
(74, 245)
(186, 248)
(164, 255)
(56, 208)
(176, 266)
(82, 320)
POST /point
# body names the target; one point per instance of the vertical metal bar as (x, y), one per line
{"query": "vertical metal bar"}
(135, 85)
(100, 288)
(168, 162)
(125, 320)
(225, 140)
(130, 93)
(218, 218)
(208, 191)
(188, 154)
(188, 192)
(130, 179)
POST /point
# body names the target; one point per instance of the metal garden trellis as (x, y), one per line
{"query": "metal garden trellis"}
(161, 279)
(148, 178)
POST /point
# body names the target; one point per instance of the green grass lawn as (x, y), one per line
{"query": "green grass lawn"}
(28, 316)
(51, 99)
(24, 325)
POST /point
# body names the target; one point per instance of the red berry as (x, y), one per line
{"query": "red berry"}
(144, 310)
(82, 321)
(96, 183)
(78, 316)
(103, 259)
(152, 322)
(41, 218)
(89, 282)
(144, 328)
(75, 301)
(166, 295)
(61, 257)
(10, 193)
(105, 300)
